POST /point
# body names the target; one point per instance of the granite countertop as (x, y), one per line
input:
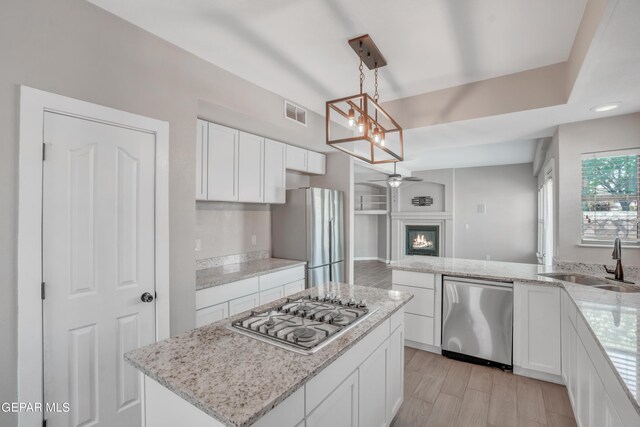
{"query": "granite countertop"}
(223, 274)
(238, 379)
(613, 317)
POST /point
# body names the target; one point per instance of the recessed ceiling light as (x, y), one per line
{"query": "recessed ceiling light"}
(605, 107)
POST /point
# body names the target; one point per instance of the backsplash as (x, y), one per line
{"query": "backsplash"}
(218, 261)
(631, 273)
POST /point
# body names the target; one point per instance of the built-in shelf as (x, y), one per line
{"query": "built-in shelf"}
(370, 198)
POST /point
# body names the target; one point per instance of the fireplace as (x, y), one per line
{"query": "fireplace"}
(422, 240)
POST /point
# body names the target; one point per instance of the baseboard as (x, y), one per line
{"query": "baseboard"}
(364, 258)
(552, 378)
(421, 346)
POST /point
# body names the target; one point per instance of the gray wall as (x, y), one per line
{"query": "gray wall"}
(612, 133)
(73, 48)
(366, 237)
(508, 230)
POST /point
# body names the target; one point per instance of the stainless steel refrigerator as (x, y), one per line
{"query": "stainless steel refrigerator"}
(310, 227)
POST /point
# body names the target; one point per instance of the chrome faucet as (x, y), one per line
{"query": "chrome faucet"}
(617, 255)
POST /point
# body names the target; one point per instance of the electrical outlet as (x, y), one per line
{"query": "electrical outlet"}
(254, 239)
(198, 245)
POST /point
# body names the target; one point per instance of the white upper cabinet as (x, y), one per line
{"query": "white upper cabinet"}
(222, 164)
(536, 332)
(236, 166)
(296, 158)
(274, 171)
(315, 163)
(202, 144)
(251, 164)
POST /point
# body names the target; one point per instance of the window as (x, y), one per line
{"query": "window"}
(610, 196)
(545, 218)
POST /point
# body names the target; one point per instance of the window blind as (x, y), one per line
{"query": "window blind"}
(610, 195)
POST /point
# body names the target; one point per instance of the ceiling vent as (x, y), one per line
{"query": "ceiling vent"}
(295, 113)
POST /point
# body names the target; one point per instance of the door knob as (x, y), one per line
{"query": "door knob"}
(146, 297)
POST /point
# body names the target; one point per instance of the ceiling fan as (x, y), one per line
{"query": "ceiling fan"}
(395, 179)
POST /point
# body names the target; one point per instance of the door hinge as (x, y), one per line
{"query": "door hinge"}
(42, 294)
(44, 149)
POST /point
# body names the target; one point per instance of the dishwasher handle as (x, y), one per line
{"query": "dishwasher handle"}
(479, 285)
(474, 281)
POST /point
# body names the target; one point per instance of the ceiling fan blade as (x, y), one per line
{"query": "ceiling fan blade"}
(411, 178)
(377, 180)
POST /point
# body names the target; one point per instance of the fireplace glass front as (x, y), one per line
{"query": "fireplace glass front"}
(422, 240)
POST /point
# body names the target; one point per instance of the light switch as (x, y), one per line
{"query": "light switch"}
(482, 208)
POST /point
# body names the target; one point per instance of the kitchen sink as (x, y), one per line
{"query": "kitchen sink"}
(618, 288)
(577, 278)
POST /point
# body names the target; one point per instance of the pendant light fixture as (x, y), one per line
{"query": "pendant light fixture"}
(357, 124)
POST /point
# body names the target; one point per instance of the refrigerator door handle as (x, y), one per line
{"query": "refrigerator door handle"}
(331, 260)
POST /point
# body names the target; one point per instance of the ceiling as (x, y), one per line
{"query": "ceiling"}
(298, 49)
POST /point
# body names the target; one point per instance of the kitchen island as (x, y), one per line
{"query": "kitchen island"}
(215, 375)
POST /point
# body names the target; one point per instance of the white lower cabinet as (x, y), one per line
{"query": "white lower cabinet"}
(340, 408)
(292, 288)
(245, 303)
(395, 373)
(373, 388)
(271, 295)
(536, 328)
(419, 329)
(212, 314)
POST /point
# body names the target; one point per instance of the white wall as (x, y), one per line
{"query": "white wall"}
(507, 232)
(366, 237)
(612, 133)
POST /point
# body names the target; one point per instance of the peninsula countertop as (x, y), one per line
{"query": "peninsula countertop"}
(613, 317)
(238, 379)
(216, 276)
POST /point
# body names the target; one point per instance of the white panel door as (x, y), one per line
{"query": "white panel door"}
(536, 334)
(250, 169)
(315, 163)
(202, 144)
(98, 259)
(395, 373)
(373, 388)
(296, 158)
(274, 172)
(340, 408)
(222, 164)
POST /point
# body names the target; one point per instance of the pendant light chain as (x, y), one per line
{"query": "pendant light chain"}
(376, 96)
(361, 72)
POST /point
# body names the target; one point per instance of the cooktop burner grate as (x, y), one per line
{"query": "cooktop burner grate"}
(304, 324)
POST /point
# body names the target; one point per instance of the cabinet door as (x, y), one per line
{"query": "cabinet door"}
(271, 294)
(340, 408)
(395, 373)
(315, 163)
(222, 164)
(566, 333)
(274, 172)
(292, 288)
(372, 388)
(212, 314)
(202, 142)
(250, 169)
(296, 158)
(536, 337)
(245, 303)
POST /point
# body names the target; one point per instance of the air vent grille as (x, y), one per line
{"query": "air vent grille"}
(295, 113)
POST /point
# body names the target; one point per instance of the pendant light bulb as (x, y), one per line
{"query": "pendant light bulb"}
(360, 124)
(352, 117)
(376, 134)
(382, 138)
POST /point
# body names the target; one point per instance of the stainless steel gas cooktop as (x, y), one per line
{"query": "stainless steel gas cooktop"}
(305, 324)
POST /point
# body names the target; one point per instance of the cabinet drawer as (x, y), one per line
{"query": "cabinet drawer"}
(219, 294)
(282, 277)
(411, 278)
(292, 288)
(271, 295)
(245, 303)
(418, 328)
(422, 301)
(212, 314)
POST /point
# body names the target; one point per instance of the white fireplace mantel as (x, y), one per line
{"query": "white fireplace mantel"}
(399, 221)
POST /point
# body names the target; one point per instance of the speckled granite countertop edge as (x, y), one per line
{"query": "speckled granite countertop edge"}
(245, 271)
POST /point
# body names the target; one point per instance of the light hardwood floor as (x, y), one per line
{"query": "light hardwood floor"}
(445, 392)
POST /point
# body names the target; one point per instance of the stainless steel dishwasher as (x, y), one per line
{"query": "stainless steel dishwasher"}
(477, 321)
